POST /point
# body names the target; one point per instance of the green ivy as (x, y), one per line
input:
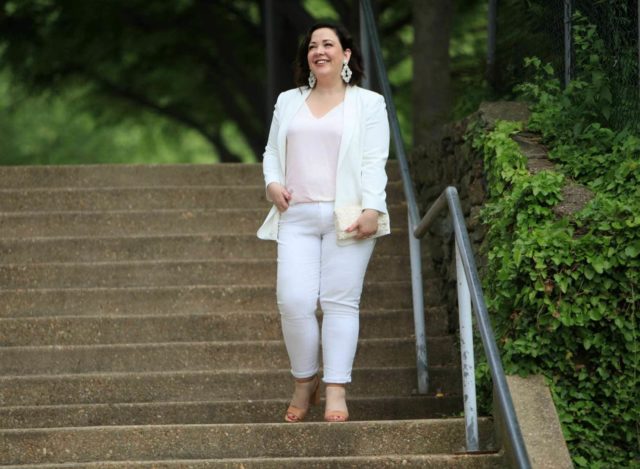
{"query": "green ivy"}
(564, 293)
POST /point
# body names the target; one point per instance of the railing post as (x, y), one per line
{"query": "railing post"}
(365, 49)
(418, 311)
(486, 331)
(490, 72)
(467, 357)
(412, 206)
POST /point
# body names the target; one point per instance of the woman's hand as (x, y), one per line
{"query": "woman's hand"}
(279, 196)
(366, 224)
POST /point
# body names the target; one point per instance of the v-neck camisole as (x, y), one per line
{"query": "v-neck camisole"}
(313, 144)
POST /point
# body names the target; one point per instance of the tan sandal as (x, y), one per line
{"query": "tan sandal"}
(337, 400)
(297, 414)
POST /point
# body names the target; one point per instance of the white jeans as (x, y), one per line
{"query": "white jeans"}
(312, 267)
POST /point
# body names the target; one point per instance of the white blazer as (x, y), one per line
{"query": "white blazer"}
(364, 148)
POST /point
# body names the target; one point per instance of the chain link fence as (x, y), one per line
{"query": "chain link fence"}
(548, 29)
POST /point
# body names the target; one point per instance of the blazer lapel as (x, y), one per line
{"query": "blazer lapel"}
(291, 108)
(350, 120)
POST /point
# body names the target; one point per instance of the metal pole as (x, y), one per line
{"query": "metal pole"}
(638, 46)
(491, 43)
(467, 357)
(486, 332)
(365, 49)
(418, 312)
(269, 22)
(567, 42)
(412, 205)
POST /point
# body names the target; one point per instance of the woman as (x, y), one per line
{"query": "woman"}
(326, 153)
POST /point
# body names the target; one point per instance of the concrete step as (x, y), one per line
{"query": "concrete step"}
(129, 175)
(267, 440)
(204, 386)
(157, 247)
(239, 325)
(138, 328)
(123, 175)
(485, 460)
(238, 411)
(146, 198)
(197, 356)
(245, 221)
(182, 300)
(169, 273)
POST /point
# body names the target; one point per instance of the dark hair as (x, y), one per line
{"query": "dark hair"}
(301, 66)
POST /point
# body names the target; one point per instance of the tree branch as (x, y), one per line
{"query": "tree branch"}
(168, 111)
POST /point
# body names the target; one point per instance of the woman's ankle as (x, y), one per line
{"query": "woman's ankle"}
(335, 393)
(336, 403)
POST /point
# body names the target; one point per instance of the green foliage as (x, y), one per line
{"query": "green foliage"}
(152, 77)
(565, 298)
(131, 61)
(56, 129)
(467, 52)
(565, 292)
(577, 121)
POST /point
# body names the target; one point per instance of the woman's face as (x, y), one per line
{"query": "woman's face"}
(325, 54)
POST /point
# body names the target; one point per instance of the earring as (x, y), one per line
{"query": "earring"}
(312, 80)
(346, 72)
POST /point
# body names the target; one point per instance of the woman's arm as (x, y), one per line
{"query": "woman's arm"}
(374, 176)
(275, 190)
(375, 154)
(270, 159)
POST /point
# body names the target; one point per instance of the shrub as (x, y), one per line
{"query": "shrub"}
(564, 292)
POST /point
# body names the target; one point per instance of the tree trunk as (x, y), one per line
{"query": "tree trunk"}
(284, 22)
(432, 22)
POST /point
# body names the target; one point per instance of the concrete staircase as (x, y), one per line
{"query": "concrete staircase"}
(138, 328)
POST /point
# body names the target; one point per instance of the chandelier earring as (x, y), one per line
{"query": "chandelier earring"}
(312, 79)
(346, 72)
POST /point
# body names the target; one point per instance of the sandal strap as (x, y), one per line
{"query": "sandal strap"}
(336, 416)
(296, 412)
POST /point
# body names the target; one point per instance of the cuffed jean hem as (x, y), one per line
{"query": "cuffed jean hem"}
(330, 380)
(305, 375)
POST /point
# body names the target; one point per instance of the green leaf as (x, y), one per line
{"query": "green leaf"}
(597, 263)
(580, 461)
(633, 249)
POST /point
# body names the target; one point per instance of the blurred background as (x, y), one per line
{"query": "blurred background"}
(194, 81)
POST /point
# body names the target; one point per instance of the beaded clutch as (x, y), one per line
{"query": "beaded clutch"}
(347, 215)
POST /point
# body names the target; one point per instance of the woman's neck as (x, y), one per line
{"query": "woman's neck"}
(327, 89)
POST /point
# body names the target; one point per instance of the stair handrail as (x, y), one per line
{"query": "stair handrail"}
(409, 192)
(469, 280)
(469, 287)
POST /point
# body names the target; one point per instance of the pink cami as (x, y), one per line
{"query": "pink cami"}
(313, 145)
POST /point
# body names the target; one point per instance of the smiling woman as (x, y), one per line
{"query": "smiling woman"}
(325, 157)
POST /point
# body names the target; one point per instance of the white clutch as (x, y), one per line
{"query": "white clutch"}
(347, 215)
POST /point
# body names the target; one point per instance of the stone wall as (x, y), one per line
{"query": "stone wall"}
(452, 162)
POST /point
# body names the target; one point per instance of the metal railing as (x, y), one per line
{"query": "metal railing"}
(470, 292)
(412, 206)
(469, 287)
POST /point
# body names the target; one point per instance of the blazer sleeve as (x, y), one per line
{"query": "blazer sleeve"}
(270, 158)
(375, 154)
